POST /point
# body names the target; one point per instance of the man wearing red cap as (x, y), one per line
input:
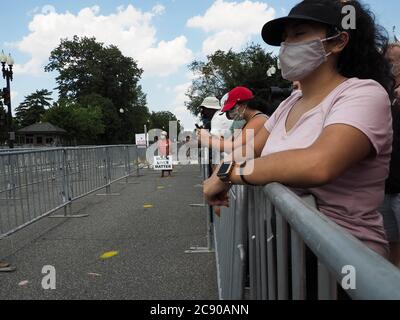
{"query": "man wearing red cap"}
(237, 107)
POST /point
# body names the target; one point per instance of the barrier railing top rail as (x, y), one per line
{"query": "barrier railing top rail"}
(253, 241)
(16, 151)
(37, 183)
(376, 278)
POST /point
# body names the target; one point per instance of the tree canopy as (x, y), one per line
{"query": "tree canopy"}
(161, 119)
(90, 75)
(82, 123)
(32, 108)
(225, 70)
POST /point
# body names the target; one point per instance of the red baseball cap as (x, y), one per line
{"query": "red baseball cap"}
(239, 94)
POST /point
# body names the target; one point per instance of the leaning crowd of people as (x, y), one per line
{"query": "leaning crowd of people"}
(337, 137)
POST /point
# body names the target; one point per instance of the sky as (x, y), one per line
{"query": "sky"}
(162, 36)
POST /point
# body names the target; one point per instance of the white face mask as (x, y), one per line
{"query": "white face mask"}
(298, 60)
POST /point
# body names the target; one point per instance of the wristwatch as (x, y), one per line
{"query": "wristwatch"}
(225, 170)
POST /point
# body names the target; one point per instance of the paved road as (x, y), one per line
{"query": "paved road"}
(151, 263)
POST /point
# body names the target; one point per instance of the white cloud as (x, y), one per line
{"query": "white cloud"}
(48, 9)
(232, 24)
(163, 59)
(158, 9)
(128, 28)
(178, 106)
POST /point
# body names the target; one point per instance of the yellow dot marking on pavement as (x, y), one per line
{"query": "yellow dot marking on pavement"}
(108, 255)
(148, 206)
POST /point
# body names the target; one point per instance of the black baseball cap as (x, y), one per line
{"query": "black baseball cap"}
(326, 12)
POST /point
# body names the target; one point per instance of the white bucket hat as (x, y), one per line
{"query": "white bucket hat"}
(211, 103)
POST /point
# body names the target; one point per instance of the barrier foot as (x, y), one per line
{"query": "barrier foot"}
(108, 194)
(197, 205)
(71, 216)
(199, 250)
(128, 182)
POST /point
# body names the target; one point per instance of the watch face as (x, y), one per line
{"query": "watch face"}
(224, 168)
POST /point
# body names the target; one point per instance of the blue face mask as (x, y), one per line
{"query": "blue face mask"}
(237, 113)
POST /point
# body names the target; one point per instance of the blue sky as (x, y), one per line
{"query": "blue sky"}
(163, 36)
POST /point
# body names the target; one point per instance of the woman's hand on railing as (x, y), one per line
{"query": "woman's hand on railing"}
(216, 192)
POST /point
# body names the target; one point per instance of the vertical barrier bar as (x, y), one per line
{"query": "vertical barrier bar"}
(282, 257)
(107, 170)
(252, 248)
(327, 286)
(263, 240)
(298, 267)
(66, 182)
(209, 212)
(127, 167)
(240, 243)
(271, 258)
(12, 191)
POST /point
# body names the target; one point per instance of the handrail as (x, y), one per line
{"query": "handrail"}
(376, 278)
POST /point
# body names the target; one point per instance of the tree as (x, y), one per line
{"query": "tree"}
(91, 74)
(225, 70)
(84, 125)
(33, 107)
(161, 119)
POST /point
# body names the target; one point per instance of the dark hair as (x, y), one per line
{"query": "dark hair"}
(264, 102)
(364, 55)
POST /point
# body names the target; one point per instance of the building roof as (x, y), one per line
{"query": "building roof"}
(42, 127)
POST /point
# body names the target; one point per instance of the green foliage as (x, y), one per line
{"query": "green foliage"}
(32, 108)
(83, 123)
(160, 120)
(91, 74)
(225, 70)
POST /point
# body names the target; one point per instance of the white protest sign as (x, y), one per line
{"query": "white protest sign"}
(162, 163)
(140, 139)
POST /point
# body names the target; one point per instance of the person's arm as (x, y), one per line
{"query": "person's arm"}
(250, 150)
(227, 145)
(250, 131)
(317, 165)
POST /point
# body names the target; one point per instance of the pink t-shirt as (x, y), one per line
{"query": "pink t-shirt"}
(353, 199)
(164, 147)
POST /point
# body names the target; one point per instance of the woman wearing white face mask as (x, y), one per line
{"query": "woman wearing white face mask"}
(332, 139)
(238, 106)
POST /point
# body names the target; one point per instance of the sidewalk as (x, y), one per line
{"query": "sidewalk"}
(150, 264)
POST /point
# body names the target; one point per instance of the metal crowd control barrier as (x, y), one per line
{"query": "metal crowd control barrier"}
(205, 173)
(263, 244)
(37, 183)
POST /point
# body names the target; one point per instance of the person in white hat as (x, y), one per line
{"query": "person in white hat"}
(218, 124)
(238, 106)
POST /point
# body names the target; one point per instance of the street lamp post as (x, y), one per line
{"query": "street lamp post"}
(8, 76)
